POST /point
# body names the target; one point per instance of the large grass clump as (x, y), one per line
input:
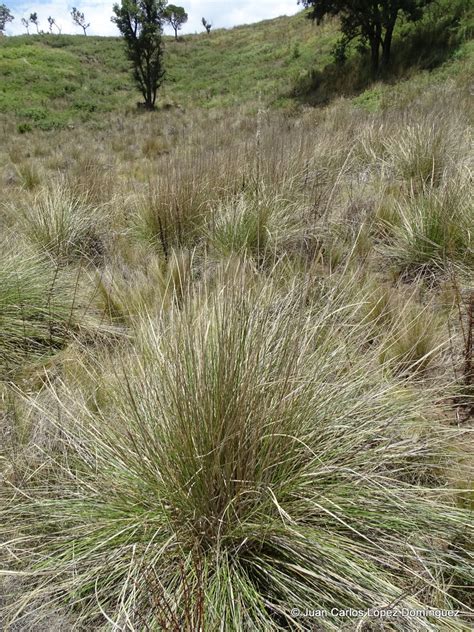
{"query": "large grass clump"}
(245, 460)
(63, 224)
(241, 227)
(37, 308)
(425, 152)
(431, 230)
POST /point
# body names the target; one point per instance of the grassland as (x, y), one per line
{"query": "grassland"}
(51, 81)
(236, 364)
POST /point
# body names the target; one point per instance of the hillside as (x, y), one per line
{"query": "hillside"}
(50, 81)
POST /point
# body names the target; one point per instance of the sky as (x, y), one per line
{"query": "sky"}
(221, 13)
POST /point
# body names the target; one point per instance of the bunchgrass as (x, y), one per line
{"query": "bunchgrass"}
(425, 151)
(37, 308)
(247, 461)
(145, 285)
(172, 217)
(415, 339)
(432, 230)
(63, 224)
(241, 228)
(234, 355)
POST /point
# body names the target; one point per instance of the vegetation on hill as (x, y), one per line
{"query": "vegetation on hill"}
(236, 336)
(52, 81)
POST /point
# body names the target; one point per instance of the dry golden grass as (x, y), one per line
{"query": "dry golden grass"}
(267, 355)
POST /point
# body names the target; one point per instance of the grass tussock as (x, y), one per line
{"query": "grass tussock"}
(62, 224)
(235, 469)
(144, 284)
(415, 340)
(241, 228)
(426, 152)
(433, 229)
(37, 309)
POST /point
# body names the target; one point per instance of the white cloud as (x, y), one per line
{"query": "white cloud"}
(224, 14)
(221, 13)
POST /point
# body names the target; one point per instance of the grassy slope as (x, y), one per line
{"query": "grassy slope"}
(234, 66)
(51, 81)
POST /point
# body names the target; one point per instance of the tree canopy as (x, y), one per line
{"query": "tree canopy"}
(141, 24)
(176, 17)
(207, 25)
(79, 19)
(370, 21)
(34, 20)
(5, 17)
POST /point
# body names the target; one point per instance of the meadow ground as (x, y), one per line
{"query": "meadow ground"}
(236, 337)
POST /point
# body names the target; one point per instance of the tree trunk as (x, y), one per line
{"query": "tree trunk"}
(375, 41)
(374, 55)
(176, 34)
(149, 104)
(150, 94)
(387, 45)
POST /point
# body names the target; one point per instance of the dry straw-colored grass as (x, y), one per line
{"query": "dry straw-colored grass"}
(244, 446)
(256, 407)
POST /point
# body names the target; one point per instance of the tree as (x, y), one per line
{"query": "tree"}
(5, 17)
(26, 24)
(207, 25)
(34, 20)
(176, 17)
(141, 24)
(370, 21)
(52, 22)
(79, 19)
